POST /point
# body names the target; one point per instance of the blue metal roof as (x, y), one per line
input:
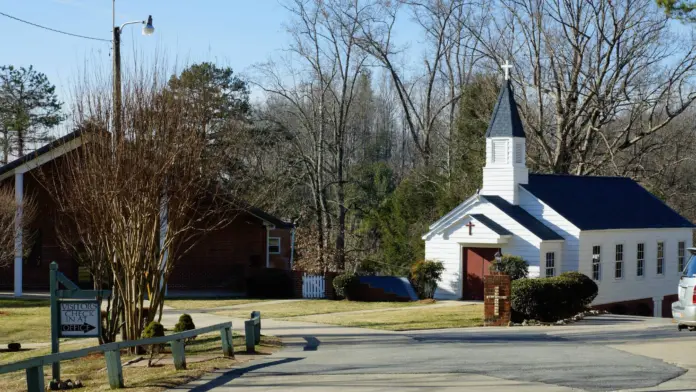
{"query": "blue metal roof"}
(524, 218)
(603, 203)
(491, 224)
(505, 121)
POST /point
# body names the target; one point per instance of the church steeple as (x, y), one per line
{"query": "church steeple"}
(505, 121)
(505, 147)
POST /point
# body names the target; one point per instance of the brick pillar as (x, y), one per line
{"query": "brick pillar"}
(297, 283)
(497, 289)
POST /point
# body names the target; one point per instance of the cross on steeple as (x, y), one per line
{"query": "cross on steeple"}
(506, 67)
(470, 226)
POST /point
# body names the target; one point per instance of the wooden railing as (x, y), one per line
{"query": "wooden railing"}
(112, 354)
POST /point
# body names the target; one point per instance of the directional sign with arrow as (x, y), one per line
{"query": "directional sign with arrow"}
(79, 318)
(77, 327)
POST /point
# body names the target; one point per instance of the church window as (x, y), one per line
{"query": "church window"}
(596, 262)
(680, 255)
(500, 151)
(618, 268)
(640, 259)
(660, 258)
(550, 264)
(519, 152)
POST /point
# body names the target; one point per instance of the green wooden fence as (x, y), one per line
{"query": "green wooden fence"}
(112, 354)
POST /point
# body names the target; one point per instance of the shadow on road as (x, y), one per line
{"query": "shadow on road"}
(224, 378)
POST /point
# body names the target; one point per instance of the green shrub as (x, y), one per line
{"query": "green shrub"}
(587, 288)
(185, 323)
(514, 266)
(551, 299)
(343, 283)
(152, 330)
(424, 276)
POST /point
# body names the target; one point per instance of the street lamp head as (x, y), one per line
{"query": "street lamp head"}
(148, 29)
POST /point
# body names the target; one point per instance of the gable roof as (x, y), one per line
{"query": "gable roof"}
(51, 147)
(264, 216)
(491, 224)
(505, 121)
(524, 218)
(39, 152)
(603, 203)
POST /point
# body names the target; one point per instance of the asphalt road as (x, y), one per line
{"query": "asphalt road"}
(477, 359)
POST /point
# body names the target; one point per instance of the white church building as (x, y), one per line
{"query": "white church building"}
(609, 228)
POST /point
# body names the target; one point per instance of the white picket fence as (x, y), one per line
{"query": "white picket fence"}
(313, 286)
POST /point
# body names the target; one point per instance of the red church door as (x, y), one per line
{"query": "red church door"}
(476, 264)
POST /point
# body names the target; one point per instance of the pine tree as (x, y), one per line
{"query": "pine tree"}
(29, 107)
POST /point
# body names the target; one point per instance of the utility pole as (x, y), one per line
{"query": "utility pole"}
(117, 134)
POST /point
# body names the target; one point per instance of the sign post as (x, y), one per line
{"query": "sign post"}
(55, 319)
(75, 313)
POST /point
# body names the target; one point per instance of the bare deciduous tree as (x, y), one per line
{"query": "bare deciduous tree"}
(595, 77)
(134, 208)
(9, 211)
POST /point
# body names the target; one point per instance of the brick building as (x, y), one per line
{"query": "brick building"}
(222, 260)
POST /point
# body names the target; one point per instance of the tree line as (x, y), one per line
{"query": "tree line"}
(364, 141)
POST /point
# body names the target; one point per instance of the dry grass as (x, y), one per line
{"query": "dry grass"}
(207, 303)
(24, 321)
(91, 370)
(405, 319)
(316, 306)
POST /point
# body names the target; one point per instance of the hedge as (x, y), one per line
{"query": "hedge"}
(552, 299)
(344, 283)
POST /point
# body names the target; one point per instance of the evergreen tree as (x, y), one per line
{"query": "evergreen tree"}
(29, 107)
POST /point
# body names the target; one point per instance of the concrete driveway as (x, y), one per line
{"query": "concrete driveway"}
(601, 354)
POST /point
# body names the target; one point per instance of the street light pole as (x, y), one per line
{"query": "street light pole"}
(148, 29)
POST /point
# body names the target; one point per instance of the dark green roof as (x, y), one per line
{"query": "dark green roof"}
(524, 218)
(604, 203)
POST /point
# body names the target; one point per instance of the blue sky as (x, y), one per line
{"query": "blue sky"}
(237, 33)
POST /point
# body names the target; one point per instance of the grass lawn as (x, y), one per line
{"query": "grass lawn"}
(207, 303)
(24, 321)
(91, 370)
(28, 321)
(314, 306)
(405, 319)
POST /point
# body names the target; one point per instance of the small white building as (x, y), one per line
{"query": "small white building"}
(608, 228)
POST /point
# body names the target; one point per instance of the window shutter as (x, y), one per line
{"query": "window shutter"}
(519, 153)
(499, 151)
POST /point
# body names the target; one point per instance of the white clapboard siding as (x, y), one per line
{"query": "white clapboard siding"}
(554, 221)
(313, 286)
(446, 246)
(630, 286)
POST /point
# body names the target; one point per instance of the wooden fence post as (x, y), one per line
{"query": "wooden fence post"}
(256, 316)
(227, 345)
(114, 372)
(35, 379)
(179, 354)
(249, 336)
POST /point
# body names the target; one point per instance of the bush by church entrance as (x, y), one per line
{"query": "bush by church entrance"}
(552, 299)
